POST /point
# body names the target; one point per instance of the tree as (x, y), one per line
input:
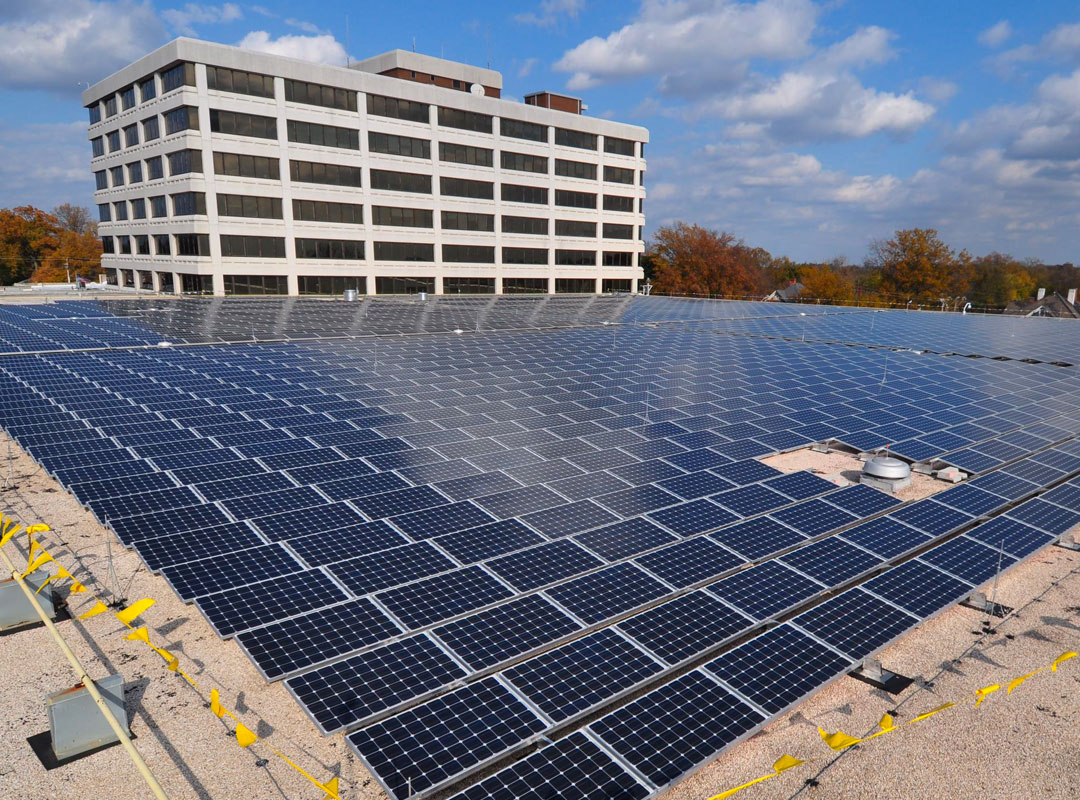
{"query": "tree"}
(690, 259)
(76, 219)
(27, 237)
(916, 265)
(998, 280)
(822, 282)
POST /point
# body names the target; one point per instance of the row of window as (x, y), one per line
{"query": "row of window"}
(171, 78)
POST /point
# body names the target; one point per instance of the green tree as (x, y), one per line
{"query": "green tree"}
(998, 280)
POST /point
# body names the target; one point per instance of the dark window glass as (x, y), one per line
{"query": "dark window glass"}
(120, 211)
(158, 207)
(95, 113)
(175, 77)
(575, 169)
(525, 255)
(125, 248)
(468, 254)
(97, 146)
(117, 175)
(150, 129)
(387, 180)
(108, 245)
(237, 124)
(468, 286)
(323, 135)
(329, 174)
(465, 154)
(461, 187)
(135, 172)
(392, 285)
(165, 280)
(523, 130)
(138, 208)
(398, 145)
(246, 166)
(161, 244)
(573, 227)
(618, 175)
(525, 285)
(154, 168)
(402, 217)
(148, 89)
(524, 194)
(404, 251)
(579, 139)
(131, 135)
(398, 109)
(575, 258)
(101, 179)
(575, 199)
(127, 98)
(465, 120)
(104, 212)
(462, 221)
(142, 246)
(534, 226)
(184, 161)
(322, 211)
(110, 106)
(196, 284)
(612, 231)
(239, 82)
(337, 249)
(331, 284)
(575, 286)
(252, 246)
(314, 94)
(185, 118)
(616, 203)
(618, 259)
(614, 285)
(523, 162)
(114, 140)
(188, 204)
(256, 284)
(237, 205)
(622, 147)
(192, 244)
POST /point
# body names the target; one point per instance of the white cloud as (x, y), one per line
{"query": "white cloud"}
(996, 35)
(938, 90)
(183, 19)
(870, 45)
(56, 44)
(550, 12)
(527, 66)
(322, 49)
(44, 165)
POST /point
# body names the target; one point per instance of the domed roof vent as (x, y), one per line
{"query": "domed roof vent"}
(887, 473)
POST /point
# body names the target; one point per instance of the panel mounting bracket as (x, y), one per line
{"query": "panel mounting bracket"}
(873, 673)
(980, 602)
(1068, 542)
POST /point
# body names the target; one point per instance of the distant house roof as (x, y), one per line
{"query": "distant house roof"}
(1053, 305)
(788, 294)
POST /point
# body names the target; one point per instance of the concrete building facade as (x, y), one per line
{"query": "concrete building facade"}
(225, 171)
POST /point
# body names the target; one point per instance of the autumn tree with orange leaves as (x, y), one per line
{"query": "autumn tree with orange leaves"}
(45, 247)
(692, 260)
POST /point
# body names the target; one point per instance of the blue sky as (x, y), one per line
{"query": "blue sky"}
(807, 128)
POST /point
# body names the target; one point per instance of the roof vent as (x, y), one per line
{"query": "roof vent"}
(887, 473)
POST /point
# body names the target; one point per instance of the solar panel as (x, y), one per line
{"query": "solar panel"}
(968, 559)
(224, 571)
(918, 588)
(161, 551)
(595, 597)
(442, 519)
(746, 471)
(696, 516)
(386, 568)
(544, 564)
(164, 523)
(339, 544)
(356, 486)
(755, 538)
(855, 622)
(443, 596)
(1015, 538)
(623, 539)
(257, 604)
(862, 500)
(800, 485)
(685, 627)
(931, 518)
(814, 517)
(886, 537)
(766, 590)
(971, 500)
(1047, 517)
(564, 520)
(831, 561)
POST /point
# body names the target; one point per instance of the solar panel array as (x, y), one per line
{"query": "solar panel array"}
(459, 548)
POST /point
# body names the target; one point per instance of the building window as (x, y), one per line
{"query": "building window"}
(97, 147)
(323, 135)
(314, 94)
(150, 129)
(462, 221)
(114, 140)
(148, 89)
(331, 284)
(127, 98)
(110, 106)
(135, 172)
(236, 124)
(465, 120)
(158, 207)
(101, 179)
(117, 175)
(512, 193)
(575, 169)
(120, 211)
(184, 161)
(525, 285)
(335, 249)
(468, 254)
(575, 286)
(239, 82)
(177, 76)
(165, 282)
(468, 286)
(404, 251)
(398, 109)
(618, 259)
(108, 246)
(104, 212)
(187, 204)
(465, 154)
(131, 135)
(142, 246)
(392, 285)
(612, 231)
(622, 147)
(236, 205)
(401, 217)
(614, 285)
(256, 284)
(138, 208)
(398, 145)
(532, 226)
(523, 162)
(154, 168)
(245, 166)
(252, 246)
(125, 246)
(389, 181)
(523, 130)
(161, 243)
(616, 203)
(578, 139)
(185, 118)
(328, 174)
(571, 227)
(575, 199)
(618, 175)
(575, 258)
(95, 113)
(525, 255)
(322, 211)
(461, 187)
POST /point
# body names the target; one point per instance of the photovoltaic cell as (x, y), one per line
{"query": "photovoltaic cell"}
(831, 561)
(697, 516)
(637, 500)
(758, 537)
(800, 485)
(1015, 538)
(968, 559)
(547, 563)
(814, 517)
(855, 622)
(441, 519)
(564, 520)
(385, 568)
(488, 541)
(931, 517)
(971, 500)
(294, 524)
(885, 536)
(685, 627)
(224, 571)
(164, 523)
(340, 544)
(623, 539)
(766, 590)
(161, 551)
(599, 595)
(1047, 517)
(918, 588)
(443, 596)
(861, 500)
